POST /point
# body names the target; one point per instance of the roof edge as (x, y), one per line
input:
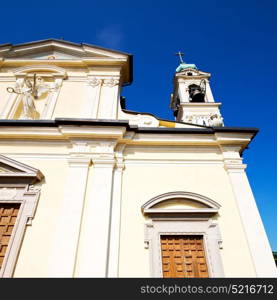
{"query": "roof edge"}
(108, 122)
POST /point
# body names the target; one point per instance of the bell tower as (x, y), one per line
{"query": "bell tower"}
(192, 99)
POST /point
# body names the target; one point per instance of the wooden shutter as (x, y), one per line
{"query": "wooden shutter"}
(8, 214)
(183, 256)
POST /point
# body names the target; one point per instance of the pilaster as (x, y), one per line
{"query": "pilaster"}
(253, 227)
(116, 212)
(62, 260)
(109, 98)
(94, 250)
(93, 89)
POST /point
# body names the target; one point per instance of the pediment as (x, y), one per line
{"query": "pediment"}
(10, 168)
(180, 203)
(58, 50)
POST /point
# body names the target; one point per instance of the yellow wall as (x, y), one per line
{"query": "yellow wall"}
(149, 172)
(141, 182)
(71, 100)
(38, 239)
(50, 159)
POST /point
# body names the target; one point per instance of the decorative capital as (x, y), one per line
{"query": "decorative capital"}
(94, 81)
(56, 85)
(80, 147)
(103, 162)
(234, 167)
(79, 161)
(34, 189)
(105, 147)
(120, 166)
(110, 82)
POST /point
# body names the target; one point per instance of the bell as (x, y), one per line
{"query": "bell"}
(197, 96)
(196, 93)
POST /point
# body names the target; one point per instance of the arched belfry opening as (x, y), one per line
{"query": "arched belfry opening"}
(196, 93)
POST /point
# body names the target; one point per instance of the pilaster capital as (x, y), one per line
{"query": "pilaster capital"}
(103, 155)
(225, 148)
(105, 146)
(103, 161)
(80, 147)
(233, 162)
(57, 84)
(120, 166)
(78, 161)
(94, 81)
(234, 167)
(111, 82)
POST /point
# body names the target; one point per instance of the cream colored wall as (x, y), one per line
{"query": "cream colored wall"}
(74, 100)
(81, 245)
(38, 240)
(156, 177)
(145, 180)
(149, 171)
(71, 100)
(50, 158)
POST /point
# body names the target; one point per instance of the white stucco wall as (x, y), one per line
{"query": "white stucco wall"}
(38, 240)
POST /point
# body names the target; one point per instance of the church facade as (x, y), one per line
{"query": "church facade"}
(90, 189)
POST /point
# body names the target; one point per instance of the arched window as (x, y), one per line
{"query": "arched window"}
(182, 235)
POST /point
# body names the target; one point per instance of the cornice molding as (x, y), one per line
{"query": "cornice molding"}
(121, 131)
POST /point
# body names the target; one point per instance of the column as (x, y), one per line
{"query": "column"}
(255, 233)
(93, 89)
(94, 246)
(116, 214)
(109, 99)
(62, 260)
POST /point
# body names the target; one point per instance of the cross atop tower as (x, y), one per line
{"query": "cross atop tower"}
(180, 54)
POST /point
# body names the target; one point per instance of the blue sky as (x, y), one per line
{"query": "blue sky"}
(233, 40)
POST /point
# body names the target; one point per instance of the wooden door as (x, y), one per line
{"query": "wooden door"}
(8, 214)
(183, 256)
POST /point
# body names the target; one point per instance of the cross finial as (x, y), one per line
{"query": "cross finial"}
(180, 54)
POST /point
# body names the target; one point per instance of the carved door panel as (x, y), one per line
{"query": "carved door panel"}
(183, 256)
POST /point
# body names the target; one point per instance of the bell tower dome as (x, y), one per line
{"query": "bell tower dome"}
(192, 99)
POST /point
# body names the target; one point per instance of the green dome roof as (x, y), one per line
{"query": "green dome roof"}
(184, 66)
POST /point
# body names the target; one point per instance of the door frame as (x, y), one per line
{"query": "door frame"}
(184, 226)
